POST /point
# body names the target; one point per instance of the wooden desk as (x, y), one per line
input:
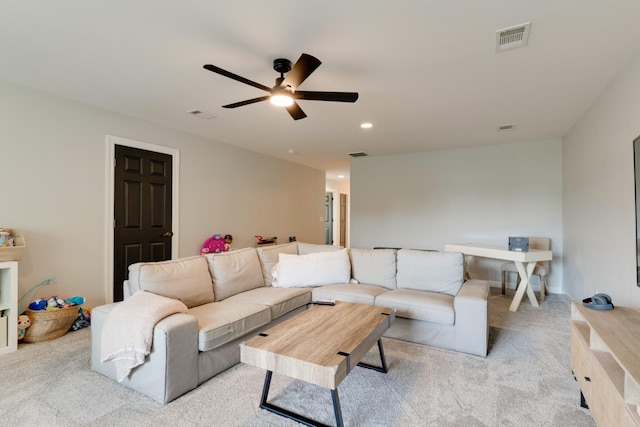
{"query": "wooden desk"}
(525, 263)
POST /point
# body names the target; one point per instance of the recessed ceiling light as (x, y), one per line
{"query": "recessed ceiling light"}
(366, 125)
(340, 176)
(292, 151)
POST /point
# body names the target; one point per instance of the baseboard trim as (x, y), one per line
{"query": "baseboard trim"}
(536, 287)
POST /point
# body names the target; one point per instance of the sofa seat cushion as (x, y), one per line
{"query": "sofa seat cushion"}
(221, 322)
(280, 300)
(269, 257)
(186, 279)
(428, 306)
(234, 272)
(349, 292)
(430, 271)
(374, 266)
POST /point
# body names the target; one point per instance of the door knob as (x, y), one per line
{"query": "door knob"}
(168, 234)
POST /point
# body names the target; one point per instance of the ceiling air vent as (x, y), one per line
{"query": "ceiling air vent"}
(201, 114)
(503, 128)
(358, 154)
(512, 37)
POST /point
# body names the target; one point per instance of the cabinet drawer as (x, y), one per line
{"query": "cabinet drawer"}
(580, 357)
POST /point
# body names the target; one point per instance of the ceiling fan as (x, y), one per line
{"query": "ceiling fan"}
(284, 92)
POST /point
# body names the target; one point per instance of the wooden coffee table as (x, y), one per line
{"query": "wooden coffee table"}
(319, 346)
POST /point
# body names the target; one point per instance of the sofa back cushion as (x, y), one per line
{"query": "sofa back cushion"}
(186, 279)
(234, 272)
(430, 271)
(314, 269)
(374, 266)
(269, 257)
(311, 248)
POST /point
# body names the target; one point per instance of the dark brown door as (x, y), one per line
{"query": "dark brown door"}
(142, 210)
(343, 219)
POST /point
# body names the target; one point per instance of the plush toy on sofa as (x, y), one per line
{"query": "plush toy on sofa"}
(23, 323)
(216, 244)
(213, 244)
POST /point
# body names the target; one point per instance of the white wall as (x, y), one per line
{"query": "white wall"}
(479, 195)
(53, 183)
(599, 207)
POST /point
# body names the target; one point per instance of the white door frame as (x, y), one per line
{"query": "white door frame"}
(112, 141)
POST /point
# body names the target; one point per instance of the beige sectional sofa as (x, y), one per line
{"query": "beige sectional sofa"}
(234, 295)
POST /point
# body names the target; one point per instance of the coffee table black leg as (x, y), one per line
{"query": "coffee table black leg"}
(383, 368)
(265, 388)
(336, 408)
(292, 415)
(334, 396)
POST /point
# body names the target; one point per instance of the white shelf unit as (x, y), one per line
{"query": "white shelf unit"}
(8, 306)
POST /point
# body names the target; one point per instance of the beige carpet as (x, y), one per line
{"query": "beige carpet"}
(525, 381)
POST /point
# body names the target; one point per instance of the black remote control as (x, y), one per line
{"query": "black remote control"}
(325, 302)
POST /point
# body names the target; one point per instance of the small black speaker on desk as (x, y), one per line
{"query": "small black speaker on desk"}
(519, 244)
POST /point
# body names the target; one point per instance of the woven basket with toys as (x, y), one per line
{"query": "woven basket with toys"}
(51, 318)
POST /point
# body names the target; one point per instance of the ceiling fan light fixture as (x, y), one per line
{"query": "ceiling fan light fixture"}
(285, 93)
(281, 100)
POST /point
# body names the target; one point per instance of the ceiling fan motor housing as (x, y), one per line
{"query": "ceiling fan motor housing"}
(282, 65)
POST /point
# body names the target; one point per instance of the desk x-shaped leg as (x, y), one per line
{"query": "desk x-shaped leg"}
(525, 270)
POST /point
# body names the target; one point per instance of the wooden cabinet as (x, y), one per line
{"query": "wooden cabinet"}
(8, 306)
(605, 358)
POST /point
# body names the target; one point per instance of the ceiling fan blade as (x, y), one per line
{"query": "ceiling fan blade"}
(247, 102)
(235, 77)
(326, 96)
(302, 69)
(295, 111)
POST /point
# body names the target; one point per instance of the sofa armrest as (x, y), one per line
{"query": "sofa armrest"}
(170, 370)
(471, 306)
(127, 289)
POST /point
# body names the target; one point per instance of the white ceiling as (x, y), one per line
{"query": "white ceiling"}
(426, 71)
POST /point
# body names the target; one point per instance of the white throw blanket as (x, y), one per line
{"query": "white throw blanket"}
(128, 329)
